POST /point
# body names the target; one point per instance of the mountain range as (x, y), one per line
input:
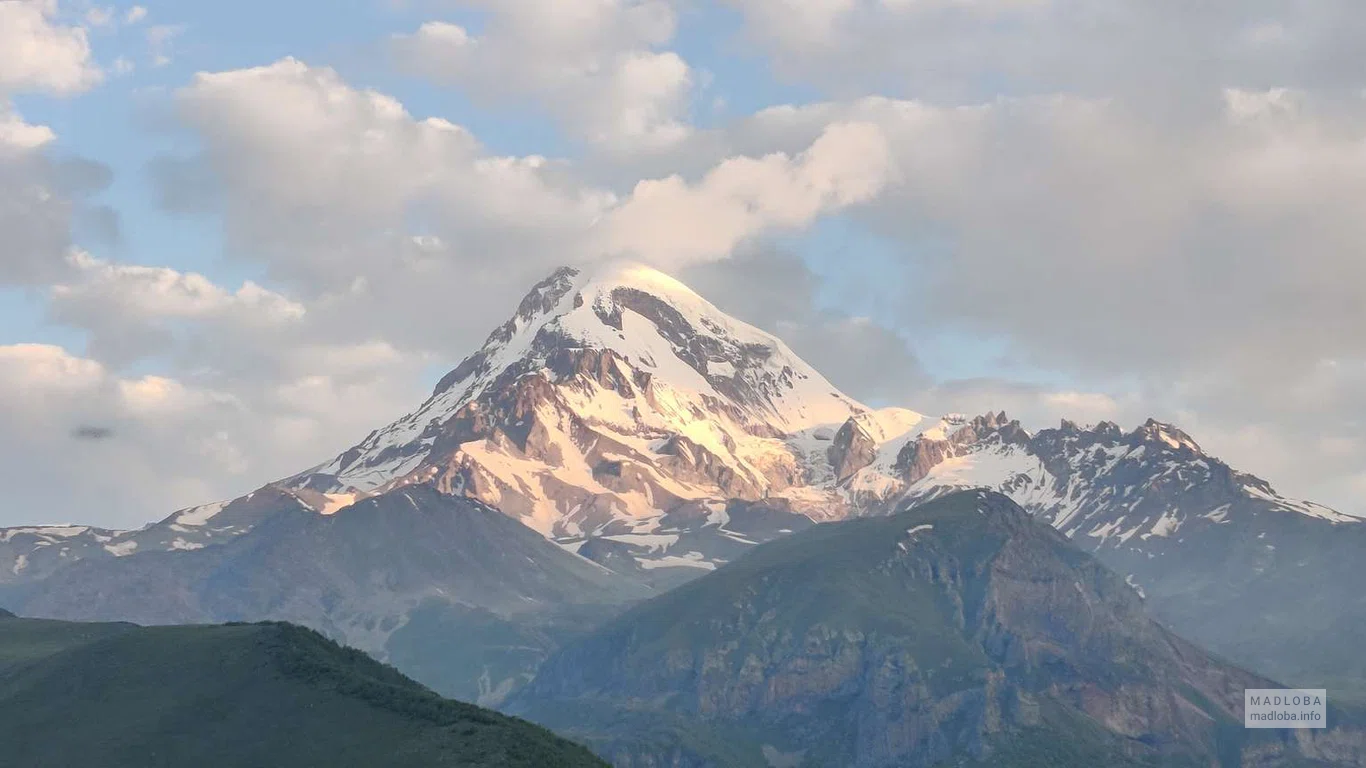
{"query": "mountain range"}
(620, 436)
(386, 574)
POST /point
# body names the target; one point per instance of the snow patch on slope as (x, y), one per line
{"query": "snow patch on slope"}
(121, 549)
(197, 516)
(1302, 507)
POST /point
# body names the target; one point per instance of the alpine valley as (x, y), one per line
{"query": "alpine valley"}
(619, 437)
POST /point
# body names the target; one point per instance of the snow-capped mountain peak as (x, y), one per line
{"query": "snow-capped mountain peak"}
(621, 414)
(616, 400)
(621, 369)
(661, 327)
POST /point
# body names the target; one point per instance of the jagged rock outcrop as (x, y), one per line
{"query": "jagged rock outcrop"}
(851, 450)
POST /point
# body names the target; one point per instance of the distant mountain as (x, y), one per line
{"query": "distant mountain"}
(625, 418)
(385, 575)
(1219, 555)
(33, 552)
(243, 696)
(961, 631)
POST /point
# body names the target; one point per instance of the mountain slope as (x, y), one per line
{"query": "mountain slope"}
(960, 629)
(246, 695)
(615, 404)
(371, 574)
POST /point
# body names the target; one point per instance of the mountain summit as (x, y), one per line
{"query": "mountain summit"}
(609, 400)
(619, 405)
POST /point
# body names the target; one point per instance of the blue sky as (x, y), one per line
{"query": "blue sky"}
(1003, 201)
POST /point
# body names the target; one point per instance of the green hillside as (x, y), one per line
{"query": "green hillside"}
(254, 695)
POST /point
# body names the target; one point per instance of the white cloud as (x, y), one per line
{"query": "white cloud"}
(135, 15)
(39, 54)
(166, 293)
(155, 427)
(672, 223)
(1196, 222)
(323, 182)
(594, 64)
(131, 312)
(19, 136)
(168, 442)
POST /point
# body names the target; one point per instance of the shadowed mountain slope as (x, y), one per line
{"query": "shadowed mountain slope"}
(98, 695)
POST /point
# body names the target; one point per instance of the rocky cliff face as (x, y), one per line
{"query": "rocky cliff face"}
(959, 630)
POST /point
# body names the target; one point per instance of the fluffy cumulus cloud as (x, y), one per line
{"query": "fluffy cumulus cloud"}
(39, 53)
(326, 184)
(596, 65)
(133, 312)
(308, 167)
(673, 223)
(367, 213)
(1214, 241)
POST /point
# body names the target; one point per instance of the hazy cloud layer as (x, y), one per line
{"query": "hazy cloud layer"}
(595, 65)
